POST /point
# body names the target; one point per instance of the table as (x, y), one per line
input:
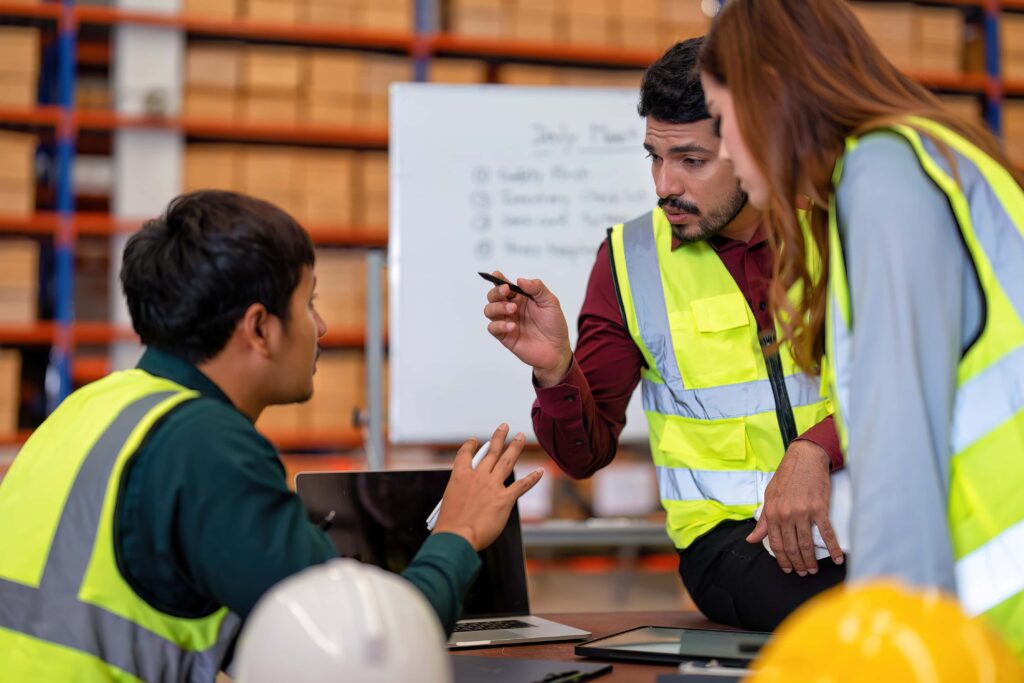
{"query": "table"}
(600, 624)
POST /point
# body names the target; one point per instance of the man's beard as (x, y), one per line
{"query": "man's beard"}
(707, 225)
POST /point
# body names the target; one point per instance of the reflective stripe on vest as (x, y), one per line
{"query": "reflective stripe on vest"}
(986, 437)
(672, 397)
(728, 487)
(53, 613)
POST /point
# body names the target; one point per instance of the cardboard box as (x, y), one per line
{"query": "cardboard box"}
(272, 11)
(638, 34)
(381, 71)
(341, 288)
(259, 108)
(587, 29)
(17, 158)
(484, 22)
(326, 179)
(19, 50)
(541, 27)
(967, 107)
(330, 12)
(331, 71)
(324, 110)
(19, 281)
(273, 69)
(214, 9)
(10, 391)
(383, 17)
(267, 169)
(457, 71)
(212, 167)
(339, 389)
(210, 104)
(888, 25)
(18, 91)
(213, 65)
(527, 74)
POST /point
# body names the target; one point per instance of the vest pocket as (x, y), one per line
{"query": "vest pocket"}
(704, 444)
(714, 343)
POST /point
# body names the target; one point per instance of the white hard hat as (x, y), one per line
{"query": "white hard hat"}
(343, 621)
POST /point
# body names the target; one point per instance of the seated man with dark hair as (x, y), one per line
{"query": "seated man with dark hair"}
(145, 518)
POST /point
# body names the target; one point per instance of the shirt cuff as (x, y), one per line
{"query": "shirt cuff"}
(824, 436)
(455, 550)
(564, 400)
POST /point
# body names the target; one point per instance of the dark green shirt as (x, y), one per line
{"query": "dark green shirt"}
(206, 518)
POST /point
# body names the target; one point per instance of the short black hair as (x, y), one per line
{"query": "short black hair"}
(671, 90)
(190, 275)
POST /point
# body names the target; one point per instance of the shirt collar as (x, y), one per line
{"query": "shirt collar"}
(179, 371)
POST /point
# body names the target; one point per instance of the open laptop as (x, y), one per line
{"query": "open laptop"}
(380, 517)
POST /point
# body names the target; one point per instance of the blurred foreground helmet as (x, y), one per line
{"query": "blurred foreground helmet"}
(882, 632)
(343, 621)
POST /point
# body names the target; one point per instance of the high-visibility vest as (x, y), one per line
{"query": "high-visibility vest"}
(66, 610)
(986, 438)
(719, 414)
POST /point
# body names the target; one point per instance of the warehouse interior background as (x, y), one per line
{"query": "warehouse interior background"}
(288, 100)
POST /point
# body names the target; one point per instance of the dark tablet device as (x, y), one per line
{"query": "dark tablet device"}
(669, 645)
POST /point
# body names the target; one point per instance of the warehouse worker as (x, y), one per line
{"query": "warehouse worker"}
(678, 298)
(923, 311)
(144, 519)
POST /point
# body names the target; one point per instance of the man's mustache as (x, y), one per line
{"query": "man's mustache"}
(679, 205)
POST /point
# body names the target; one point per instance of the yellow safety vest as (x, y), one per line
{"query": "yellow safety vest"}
(66, 610)
(986, 507)
(719, 414)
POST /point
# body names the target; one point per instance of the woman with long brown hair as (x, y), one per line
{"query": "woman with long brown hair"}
(917, 322)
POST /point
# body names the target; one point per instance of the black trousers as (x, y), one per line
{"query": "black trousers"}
(739, 584)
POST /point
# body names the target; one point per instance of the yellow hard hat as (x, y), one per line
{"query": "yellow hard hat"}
(882, 632)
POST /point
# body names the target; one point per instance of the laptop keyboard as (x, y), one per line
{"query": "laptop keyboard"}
(491, 625)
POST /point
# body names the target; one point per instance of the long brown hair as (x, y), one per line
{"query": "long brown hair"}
(804, 75)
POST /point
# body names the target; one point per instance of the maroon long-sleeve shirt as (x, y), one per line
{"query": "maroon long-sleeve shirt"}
(578, 421)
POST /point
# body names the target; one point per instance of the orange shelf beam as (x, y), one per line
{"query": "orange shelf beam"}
(1014, 88)
(16, 439)
(39, 116)
(343, 338)
(39, 223)
(340, 438)
(45, 331)
(965, 83)
(499, 47)
(86, 370)
(36, 11)
(347, 235)
(241, 132)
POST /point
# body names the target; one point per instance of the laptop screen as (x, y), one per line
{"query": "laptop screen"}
(380, 518)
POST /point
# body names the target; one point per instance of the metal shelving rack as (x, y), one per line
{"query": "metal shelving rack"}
(422, 43)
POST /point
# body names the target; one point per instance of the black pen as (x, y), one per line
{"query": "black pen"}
(498, 281)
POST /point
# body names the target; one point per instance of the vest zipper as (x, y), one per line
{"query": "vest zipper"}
(783, 408)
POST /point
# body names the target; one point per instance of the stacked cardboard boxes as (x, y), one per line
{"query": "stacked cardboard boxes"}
(938, 40)
(339, 390)
(271, 80)
(213, 77)
(17, 174)
(635, 24)
(529, 74)
(382, 15)
(1011, 39)
(19, 66)
(10, 391)
(318, 187)
(456, 71)
(19, 281)
(924, 39)
(290, 86)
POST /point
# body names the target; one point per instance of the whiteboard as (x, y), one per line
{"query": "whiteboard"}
(524, 180)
